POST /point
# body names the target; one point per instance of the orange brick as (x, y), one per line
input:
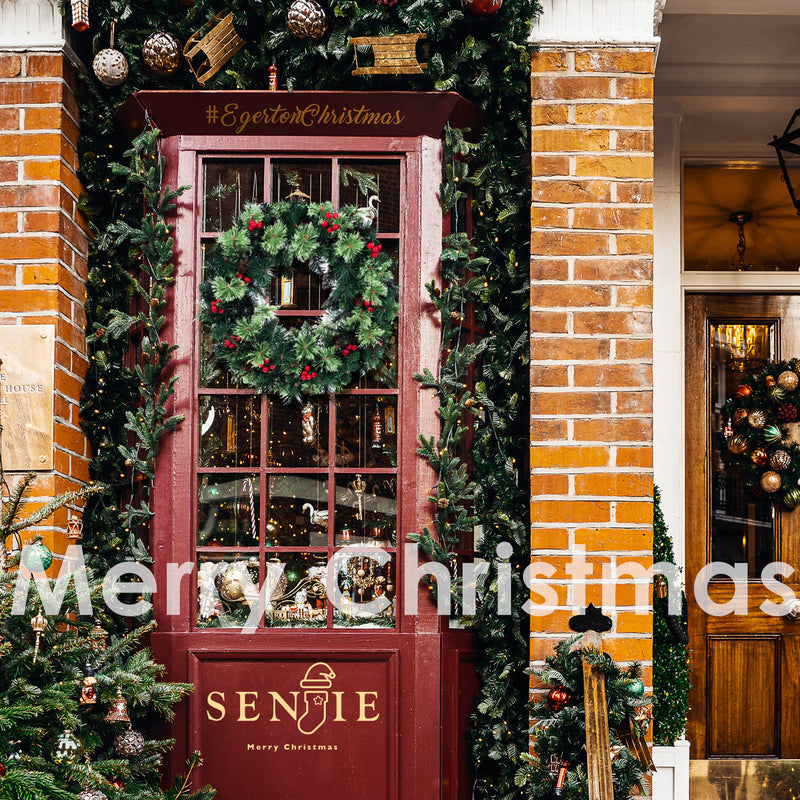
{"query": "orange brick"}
(548, 430)
(10, 66)
(30, 144)
(614, 269)
(570, 511)
(633, 115)
(41, 221)
(635, 402)
(41, 273)
(629, 622)
(546, 87)
(549, 217)
(571, 191)
(550, 114)
(634, 88)
(541, 648)
(614, 218)
(67, 385)
(613, 375)
(569, 295)
(69, 438)
(28, 196)
(8, 222)
(614, 60)
(564, 140)
(550, 165)
(614, 484)
(30, 247)
(546, 484)
(570, 403)
(9, 171)
(614, 166)
(21, 300)
(565, 243)
(549, 538)
(49, 66)
(566, 456)
(612, 322)
(635, 296)
(614, 539)
(634, 348)
(14, 94)
(635, 512)
(43, 170)
(547, 270)
(37, 119)
(626, 650)
(634, 141)
(623, 429)
(548, 322)
(9, 119)
(635, 192)
(628, 244)
(549, 61)
(548, 375)
(634, 457)
(568, 348)
(8, 272)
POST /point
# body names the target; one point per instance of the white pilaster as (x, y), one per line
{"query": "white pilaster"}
(31, 25)
(597, 22)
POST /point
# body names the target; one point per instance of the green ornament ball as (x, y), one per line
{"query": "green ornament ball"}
(791, 498)
(68, 749)
(36, 555)
(636, 687)
(771, 434)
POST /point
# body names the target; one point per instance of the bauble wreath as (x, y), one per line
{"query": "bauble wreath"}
(757, 438)
(324, 353)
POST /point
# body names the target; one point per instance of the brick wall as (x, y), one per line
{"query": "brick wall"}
(43, 244)
(591, 331)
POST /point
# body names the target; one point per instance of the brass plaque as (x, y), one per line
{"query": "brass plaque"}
(27, 358)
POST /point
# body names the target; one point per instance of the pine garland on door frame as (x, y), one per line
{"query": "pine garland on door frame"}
(487, 61)
(268, 241)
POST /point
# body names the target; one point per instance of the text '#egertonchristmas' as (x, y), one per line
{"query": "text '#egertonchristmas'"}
(308, 116)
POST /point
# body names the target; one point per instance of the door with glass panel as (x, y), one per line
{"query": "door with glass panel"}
(745, 701)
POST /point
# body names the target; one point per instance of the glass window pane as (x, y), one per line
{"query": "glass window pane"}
(299, 598)
(230, 430)
(297, 433)
(366, 430)
(366, 582)
(312, 178)
(297, 511)
(227, 585)
(360, 180)
(228, 184)
(300, 289)
(741, 521)
(366, 510)
(223, 510)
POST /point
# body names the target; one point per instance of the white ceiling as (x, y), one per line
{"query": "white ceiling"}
(731, 68)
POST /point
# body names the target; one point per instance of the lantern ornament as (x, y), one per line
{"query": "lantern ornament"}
(80, 14)
(786, 145)
(119, 709)
(75, 528)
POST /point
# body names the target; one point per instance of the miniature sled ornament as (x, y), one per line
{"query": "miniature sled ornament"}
(394, 55)
(217, 47)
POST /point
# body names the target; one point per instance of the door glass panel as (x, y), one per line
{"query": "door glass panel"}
(741, 522)
(312, 178)
(228, 184)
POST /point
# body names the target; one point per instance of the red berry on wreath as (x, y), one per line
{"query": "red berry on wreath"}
(786, 412)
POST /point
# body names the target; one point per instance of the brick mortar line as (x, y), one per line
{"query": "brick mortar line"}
(39, 287)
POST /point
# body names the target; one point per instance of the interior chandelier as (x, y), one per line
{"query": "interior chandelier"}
(786, 144)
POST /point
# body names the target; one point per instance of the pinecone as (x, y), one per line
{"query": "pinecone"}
(306, 19)
(786, 412)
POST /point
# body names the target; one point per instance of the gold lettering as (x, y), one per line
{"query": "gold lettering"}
(257, 117)
(244, 119)
(229, 115)
(284, 117)
(363, 705)
(398, 118)
(386, 118)
(372, 118)
(338, 717)
(216, 706)
(276, 698)
(244, 705)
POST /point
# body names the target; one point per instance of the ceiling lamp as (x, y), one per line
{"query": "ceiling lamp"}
(784, 145)
(740, 219)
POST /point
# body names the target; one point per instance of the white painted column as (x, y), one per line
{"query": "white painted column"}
(31, 25)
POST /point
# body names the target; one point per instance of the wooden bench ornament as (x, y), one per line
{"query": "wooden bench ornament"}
(218, 46)
(394, 55)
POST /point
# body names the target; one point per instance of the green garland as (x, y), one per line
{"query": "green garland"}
(268, 241)
(755, 434)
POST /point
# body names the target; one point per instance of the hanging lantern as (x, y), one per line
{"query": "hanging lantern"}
(388, 416)
(98, 637)
(80, 14)
(287, 291)
(89, 686)
(273, 78)
(119, 709)
(38, 623)
(75, 528)
(377, 430)
(68, 749)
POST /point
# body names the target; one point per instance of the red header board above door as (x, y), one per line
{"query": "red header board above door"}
(260, 113)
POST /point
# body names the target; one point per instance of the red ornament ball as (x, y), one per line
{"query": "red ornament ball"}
(558, 698)
(481, 8)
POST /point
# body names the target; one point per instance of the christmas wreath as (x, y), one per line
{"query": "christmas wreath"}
(756, 435)
(352, 335)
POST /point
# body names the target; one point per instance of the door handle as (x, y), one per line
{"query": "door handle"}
(792, 609)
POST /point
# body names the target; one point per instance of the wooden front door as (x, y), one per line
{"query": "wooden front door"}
(745, 699)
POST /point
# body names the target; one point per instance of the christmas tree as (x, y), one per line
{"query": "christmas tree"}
(76, 689)
(558, 765)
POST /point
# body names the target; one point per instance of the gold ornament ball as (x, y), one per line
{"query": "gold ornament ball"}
(759, 456)
(757, 419)
(791, 498)
(740, 416)
(770, 482)
(788, 380)
(129, 744)
(230, 587)
(110, 67)
(161, 52)
(737, 444)
(780, 460)
(306, 19)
